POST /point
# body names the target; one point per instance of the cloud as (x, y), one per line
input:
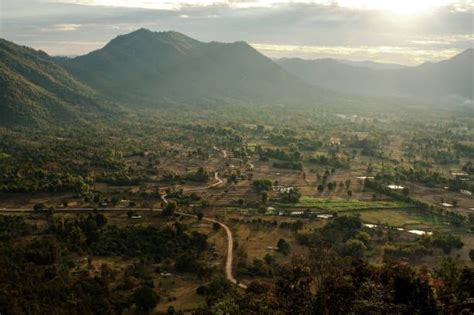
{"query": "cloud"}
(303, 28)
(387, 5)
(64, 27)
(388, 54)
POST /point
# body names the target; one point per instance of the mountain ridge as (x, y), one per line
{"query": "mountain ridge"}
(445, 79)
(152, 68)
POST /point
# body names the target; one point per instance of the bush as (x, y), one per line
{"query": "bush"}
(145, 299)
(283, 247)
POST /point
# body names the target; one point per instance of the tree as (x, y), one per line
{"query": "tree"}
(101, 220)
(353, 248)
(320, 188)
(200, 215)
(298, 225)
(331, 186)
(114, 200)
(264, 196)
(269, 259)
(283, 246)
(291, 195)
(216, 226)
(145, 299)
(262, 185)
(169, 210)
(471, 254)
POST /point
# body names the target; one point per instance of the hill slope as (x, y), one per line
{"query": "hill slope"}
(167, 67)
(35, 90)
(453, 77)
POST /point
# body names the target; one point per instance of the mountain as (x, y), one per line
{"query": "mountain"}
(372, 64)
(35, 90)
(150, 68)
(445, 79)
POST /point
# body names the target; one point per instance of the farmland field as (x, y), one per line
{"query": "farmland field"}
(342, 205)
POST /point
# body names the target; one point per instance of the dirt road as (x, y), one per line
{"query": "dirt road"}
(230, 250)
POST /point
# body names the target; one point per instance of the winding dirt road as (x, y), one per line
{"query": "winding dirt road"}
(230, 250)
(218, 182)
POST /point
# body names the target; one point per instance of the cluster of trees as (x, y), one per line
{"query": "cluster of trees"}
(302, 143)
(36, 276)
(199, 176)
(40, 272)
(332, 161)
(368, 146)
(325, 283)
(265, 154)
(288, 165)
(291, 195)
(445, 241)
(91, 234)
(41, 180)
(261, 185)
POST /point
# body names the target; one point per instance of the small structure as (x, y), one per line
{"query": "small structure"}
(447, 205)
(365, 177)
(466, 192)
(335, 141)
(419, 232)
(459, 174)
(166, 274)
(271, 210)
(136, 217)
(324, 216)
(296, 213)
(282, 189)
(395, 187)
(370, 226)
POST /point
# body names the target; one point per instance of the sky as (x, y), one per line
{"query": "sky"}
(406, 32)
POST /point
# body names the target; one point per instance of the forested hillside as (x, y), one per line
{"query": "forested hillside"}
(35, 90)
(167, 67)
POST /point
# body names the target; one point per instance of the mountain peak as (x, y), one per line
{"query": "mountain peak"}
(144, 38)
(468, 53)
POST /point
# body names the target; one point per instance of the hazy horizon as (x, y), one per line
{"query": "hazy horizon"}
(411, 33)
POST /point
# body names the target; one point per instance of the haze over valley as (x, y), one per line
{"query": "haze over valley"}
(236, 157)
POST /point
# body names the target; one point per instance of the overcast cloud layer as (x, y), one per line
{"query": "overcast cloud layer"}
(386, 31)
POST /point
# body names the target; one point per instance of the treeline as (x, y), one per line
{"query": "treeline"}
(302, 143)
(325, 283)
(268, 153)
(40, 180)
(90, 234)
(332, 161)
